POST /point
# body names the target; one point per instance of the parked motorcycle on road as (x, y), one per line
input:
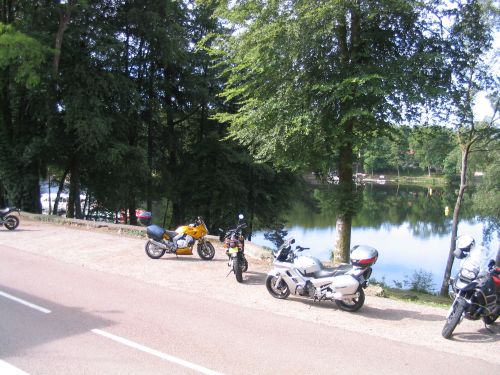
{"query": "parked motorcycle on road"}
(179, 242)
(7, 218)
(476, 289)
(234, 241)
(306, 276)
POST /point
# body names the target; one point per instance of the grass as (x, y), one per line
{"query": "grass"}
(422, 298)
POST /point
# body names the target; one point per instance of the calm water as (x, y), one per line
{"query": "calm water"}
(409, 226)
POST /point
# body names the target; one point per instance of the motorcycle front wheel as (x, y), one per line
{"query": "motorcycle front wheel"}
(11, 222)
(237, 268)
(354, 304)
(280, 291)
(244, 267)
(453, 320)
(206, 250)
(153, 251)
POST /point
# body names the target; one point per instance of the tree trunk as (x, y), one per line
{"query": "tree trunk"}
(345, 199)
(454, 227)
(59, 190)
(131, 212)
(64, 18)
(74, 205)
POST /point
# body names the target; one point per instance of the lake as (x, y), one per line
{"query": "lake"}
(410, 226)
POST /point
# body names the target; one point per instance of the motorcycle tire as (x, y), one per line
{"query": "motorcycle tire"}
(11, 222)
(153, 251)
(453, 320)
(281, 291)
(244, 267)
(354, 304)
(206, 250)
(237, 268)
(490, 319)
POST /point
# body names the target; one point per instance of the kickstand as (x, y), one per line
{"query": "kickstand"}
(488, 328)
(229, 272)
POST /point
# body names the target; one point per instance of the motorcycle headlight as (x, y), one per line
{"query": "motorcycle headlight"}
(469, 274)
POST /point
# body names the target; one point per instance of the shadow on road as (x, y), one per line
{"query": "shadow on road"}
(36, 328)
(189, 258)
(254, 278)
(490, 334)
(373, 312)
(398, 314)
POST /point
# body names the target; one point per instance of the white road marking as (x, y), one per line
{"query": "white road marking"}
(7, 369)
(26, 303)
(156, 353)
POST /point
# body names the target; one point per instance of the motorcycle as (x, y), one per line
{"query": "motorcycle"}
(179, 242)
(306, 276)
(475, 291)
(234, 241)
(8, 220)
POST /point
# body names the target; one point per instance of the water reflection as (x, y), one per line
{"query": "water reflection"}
(409, 225)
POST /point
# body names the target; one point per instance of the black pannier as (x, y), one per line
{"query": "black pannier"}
(155, 232)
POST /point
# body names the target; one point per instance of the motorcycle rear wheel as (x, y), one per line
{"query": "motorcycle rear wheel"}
(153, 251)
(206, 250)
(453, 320)
(237, 268)
(280, 291)
(354, 304)
(11, 222)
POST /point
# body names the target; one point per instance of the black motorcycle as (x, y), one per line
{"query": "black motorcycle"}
(234, 243)
(476, 294)
(7, 218)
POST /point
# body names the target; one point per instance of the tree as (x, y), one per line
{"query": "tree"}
(431, 145)
(316, 80)
(470, 37)
(22, 60)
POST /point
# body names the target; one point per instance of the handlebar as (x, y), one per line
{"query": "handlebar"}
(300, 248)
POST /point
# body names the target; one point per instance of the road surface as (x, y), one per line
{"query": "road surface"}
(87, 302)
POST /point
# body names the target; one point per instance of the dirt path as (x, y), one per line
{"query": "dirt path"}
(124, 255)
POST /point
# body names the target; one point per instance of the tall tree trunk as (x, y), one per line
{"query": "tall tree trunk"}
(454, 227)
(131, 210)
(64, 17)
(74, 205)
(345, 199)
(59, 191)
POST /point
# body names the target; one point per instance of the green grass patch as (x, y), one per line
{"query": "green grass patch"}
(422, 298)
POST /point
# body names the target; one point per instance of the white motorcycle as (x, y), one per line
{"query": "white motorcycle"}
(306, 276)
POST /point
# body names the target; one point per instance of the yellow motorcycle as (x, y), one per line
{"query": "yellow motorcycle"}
(179, 242)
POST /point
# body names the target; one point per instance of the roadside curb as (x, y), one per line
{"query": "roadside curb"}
(251, 249)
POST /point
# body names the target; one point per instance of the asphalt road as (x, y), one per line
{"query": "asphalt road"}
(61, 317)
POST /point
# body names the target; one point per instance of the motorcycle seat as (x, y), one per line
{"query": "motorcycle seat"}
(171, 233)
(334, 271)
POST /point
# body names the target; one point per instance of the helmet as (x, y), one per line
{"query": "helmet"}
(464, 245)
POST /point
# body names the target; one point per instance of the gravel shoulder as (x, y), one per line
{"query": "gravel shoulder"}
(113, 250)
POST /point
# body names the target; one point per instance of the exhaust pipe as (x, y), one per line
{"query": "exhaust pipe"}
(159, 244)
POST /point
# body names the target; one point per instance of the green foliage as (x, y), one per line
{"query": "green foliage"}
(431, 146)
(299, 87)
(487, 197)
(419, 281)
(23, 54)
